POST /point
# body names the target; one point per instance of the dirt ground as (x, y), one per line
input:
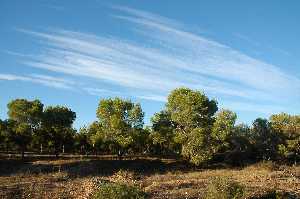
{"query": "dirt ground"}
(166, 178)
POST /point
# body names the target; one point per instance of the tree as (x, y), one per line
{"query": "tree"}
(82, 141)
(27, 116)
(25, 111)
(141, 142)
(287, 127)
(2, 135)
(240, 139)
(223, 128)
(22, 136)
(240, 147)
(265, 141)
(162, 132)
(57, 122)
(119, 120)
(192, 113)
(7, 131)
(96, 136)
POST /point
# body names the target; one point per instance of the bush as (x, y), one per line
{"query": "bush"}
(108, 190)
(276, 195)
(225, 189)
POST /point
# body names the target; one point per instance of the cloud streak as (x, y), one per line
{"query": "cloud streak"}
(170, 57)
(45, 80)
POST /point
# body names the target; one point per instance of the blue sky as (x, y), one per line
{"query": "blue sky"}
(244, 54)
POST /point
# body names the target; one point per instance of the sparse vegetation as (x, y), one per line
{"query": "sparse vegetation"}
(108, 190)
(224, 188)
(71, 178)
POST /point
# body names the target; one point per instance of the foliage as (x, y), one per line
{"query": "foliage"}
(120, 120)
(22, 135)
(162, 132)
(197, 147)
(223, 128)
(96, 135)
(110, 190)
(7, 132)
(264, 139)
(24, 111)
(57, 122)
(189, 125)
(240, 148)
(2, 129)
(190, 109)
(288, 128)
(192, 113)
(58, 116)
(81, 140)
(275, 195)
(27, 118)
(225, 189)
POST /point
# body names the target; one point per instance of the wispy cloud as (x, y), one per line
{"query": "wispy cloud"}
(267, 109)
(169, 57)
(101, 92)
(40, 79)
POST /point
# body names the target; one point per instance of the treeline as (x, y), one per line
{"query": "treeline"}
(190, 126)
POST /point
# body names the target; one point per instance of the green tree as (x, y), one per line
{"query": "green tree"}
(25, 111)
(7, 132)
(141, 142)
(287, 127)
(162, 133)
(240, 139)
(27, 116)
(82, 141)
(223, 128)
(119, 120)
(265, 141)
(22, 136)
(57, 122)
(240, 148)
(192, 113)
(2, 135)
(96, 136)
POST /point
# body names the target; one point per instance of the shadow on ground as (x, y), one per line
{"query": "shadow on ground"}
(91, 167)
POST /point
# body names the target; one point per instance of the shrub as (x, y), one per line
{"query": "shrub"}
(108, 190)
(123, 176)
(225, 189)
(275, 195)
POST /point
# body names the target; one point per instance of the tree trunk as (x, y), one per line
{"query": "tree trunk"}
(56, 152)
(23, 153)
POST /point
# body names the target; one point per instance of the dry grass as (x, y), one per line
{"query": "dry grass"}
(72, 178)
(257, 179)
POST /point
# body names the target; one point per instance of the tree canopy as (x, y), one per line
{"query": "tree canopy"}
(119, 120)
(192, 112)
(189, 126)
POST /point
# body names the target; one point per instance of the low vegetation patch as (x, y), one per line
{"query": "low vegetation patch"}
(93, 178)
(224, 188)
(276, 195)
(111, 190)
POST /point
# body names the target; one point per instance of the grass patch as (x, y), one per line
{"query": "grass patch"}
(109, 190)
(222, 187)
(276, 195)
